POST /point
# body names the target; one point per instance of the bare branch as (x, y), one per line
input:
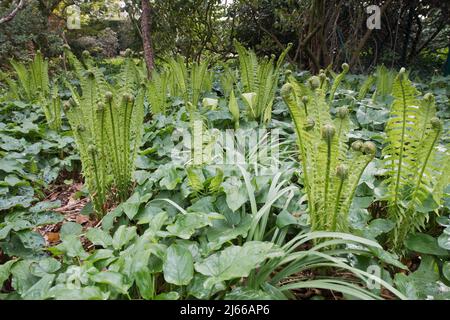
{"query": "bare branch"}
(13, 13)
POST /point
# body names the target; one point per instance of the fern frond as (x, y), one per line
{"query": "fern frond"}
(368, 83)
(337, 81)
(402, 137)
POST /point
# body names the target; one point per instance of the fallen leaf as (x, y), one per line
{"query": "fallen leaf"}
(52, 237)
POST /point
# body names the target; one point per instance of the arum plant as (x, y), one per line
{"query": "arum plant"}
(416, 167)
(330, 169)
(259, 79)
(107, 124)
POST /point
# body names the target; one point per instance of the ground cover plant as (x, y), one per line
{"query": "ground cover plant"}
(177, 229)
(222, 173)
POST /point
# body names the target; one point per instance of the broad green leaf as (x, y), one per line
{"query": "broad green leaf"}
(113, 279)
(100, 254)
(178, 266)
(234, 261)
(444, 239)
(378, 227)
(70, 228)
(145, 283)
(22, 279)
(243, 293)
(200, 288)
(5, 231)
(5, 271)
(284, 218)
(446, 270)
(123, 236)
(61, 292)
(40, 289)
(99, 237)
(131, 206)
(221, 232)
(186, 224)
(147, 215)
(45, 206)
(424, 243)
(423, 283)
(173, 295)
(31, 239)
(45, 266)
(72, 247)
(171, 179)
(236, 194)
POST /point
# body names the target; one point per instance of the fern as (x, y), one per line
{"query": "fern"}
(158, 89)
(189, 83)
(384, 81)
(34, 87)
(368, 83)
(331, 172)
(107, 124)
(259, 78)
(52, 109)
(337, 81)
(412, 159)
(228, 79)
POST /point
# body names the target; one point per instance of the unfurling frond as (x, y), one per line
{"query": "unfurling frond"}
(412, 158)
(107, 122)
(331, 172)
(259, 76)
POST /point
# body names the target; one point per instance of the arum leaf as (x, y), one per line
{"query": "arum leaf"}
(99, 237)
(122, 236)
(234, 261)
(424, 243)
(186, 224)
(178, 266)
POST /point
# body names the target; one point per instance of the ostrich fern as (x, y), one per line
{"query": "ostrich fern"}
(158, 89)
(228, 79)
(34, 87)
(33, 78)
(416, 168)
(189, 83)
(259, 79)
(331, 172)
(337, 81)
(107, 124)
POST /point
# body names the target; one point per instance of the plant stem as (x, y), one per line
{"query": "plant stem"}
(336, 205)
(327, 178)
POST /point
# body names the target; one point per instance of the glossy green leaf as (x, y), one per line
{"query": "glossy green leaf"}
(178, 266)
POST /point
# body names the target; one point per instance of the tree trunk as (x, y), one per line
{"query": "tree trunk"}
(407, 33)
(447, 63)
(146, 39)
